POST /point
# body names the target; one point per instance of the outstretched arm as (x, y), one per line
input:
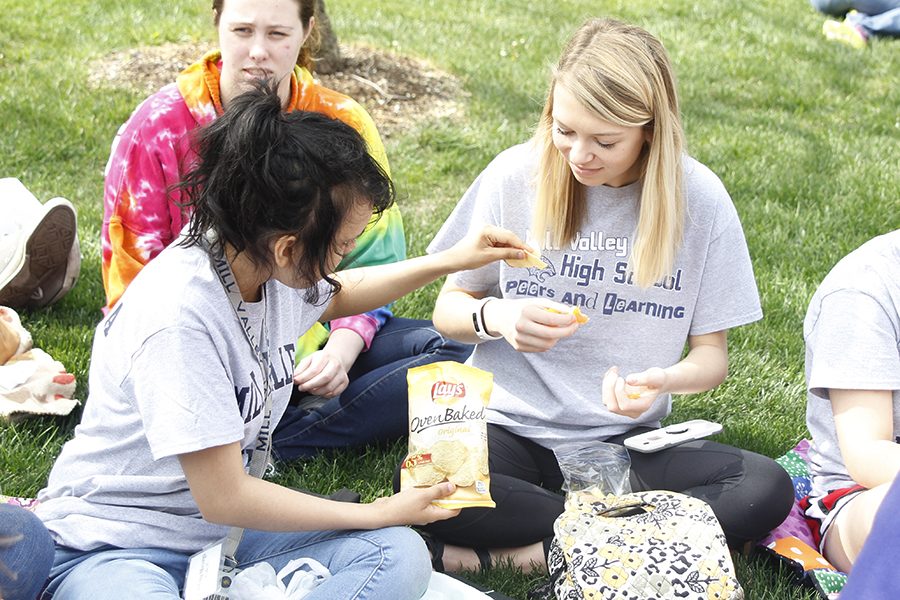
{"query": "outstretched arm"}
(324, 371)
(369, 287)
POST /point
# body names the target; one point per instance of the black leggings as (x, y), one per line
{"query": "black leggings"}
(749, 493)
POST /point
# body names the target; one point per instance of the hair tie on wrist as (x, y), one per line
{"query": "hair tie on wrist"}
(478, 321)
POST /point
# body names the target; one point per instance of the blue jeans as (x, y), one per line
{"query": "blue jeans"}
(26, 553)
(373, 407)
(383, 564)
(876, 17)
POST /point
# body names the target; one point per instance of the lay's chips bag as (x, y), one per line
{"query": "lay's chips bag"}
(448, 432)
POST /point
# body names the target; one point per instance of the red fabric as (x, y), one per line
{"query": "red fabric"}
(826, 504)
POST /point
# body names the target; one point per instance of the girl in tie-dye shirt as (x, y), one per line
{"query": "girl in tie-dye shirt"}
(339, 405)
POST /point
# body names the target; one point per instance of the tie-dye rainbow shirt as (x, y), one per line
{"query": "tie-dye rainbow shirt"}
(150, 151)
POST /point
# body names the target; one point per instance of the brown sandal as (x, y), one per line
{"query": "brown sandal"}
(435, 549)
(484, 558)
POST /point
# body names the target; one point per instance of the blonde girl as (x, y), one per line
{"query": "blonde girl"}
(646, 242)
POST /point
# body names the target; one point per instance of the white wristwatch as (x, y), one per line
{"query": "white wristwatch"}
(478, 321)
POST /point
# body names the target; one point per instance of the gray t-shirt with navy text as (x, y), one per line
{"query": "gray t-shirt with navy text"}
(555, 397)
(171, 372)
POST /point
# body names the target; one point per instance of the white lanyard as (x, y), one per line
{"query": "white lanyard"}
(259, 456)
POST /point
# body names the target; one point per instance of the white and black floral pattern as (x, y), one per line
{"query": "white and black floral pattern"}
(660, 545)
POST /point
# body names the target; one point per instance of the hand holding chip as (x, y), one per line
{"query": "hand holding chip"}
(532, 259)
(530, 325)
(633, 395)
(580, 317)
(484, 246)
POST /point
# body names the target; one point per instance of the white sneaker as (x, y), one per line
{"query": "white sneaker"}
(39, 255)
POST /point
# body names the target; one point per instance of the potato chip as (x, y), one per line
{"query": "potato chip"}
(449, 455)
(480, 460)
(633, 392)
(532, 259)
(465, 475)
(448, 432)
(427, 474)
(574, 311)
(483, 464)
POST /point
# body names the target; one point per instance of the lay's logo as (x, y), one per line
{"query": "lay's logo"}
(445, 392)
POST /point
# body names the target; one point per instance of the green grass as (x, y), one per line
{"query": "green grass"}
(803, 132)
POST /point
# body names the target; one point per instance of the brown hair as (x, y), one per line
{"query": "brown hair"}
(307, 12)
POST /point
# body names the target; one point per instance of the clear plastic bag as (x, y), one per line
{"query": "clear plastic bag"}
(600, 467)
(260, 582)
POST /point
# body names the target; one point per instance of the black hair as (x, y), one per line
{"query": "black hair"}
(262, 173)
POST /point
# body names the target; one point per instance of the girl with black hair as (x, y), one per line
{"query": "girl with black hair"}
(191, 371)
(350, 374)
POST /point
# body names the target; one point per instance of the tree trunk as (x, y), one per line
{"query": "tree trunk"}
(328, 58)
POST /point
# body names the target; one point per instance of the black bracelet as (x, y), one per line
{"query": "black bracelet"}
(478, 322)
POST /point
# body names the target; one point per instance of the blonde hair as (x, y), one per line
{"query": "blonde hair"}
(623, 75)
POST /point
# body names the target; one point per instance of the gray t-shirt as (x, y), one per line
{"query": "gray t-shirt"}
(171, 373)
(852, 333)
(555, 397)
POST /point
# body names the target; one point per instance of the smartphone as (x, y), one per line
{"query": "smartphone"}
(672, 435)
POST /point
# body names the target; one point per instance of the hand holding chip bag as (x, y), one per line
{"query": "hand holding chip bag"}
(416, 505)
(448, 432)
